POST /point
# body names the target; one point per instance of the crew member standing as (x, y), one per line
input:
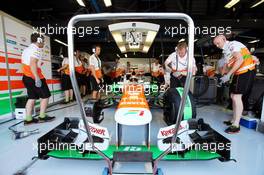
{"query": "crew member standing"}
(66, 81)
(96, 73)
(79, 72)
(176, 63)
(34, 81)
(242, 70)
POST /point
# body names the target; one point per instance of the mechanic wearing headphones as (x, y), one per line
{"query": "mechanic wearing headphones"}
(176, 64)
(34, 81)
(96, 73)
(242, 69)
(66, 81)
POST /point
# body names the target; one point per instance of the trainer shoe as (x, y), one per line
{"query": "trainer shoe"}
(232, 129)
(34, 120)
(227, 122)
(46, 119)
(65, 102)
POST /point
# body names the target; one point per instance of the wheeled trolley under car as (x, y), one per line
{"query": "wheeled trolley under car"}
(185, 139)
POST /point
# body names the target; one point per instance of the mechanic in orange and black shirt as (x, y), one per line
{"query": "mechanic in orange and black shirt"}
(34, 81)
(66, 81)
(240, 74)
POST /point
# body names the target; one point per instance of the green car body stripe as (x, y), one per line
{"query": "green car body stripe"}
(189, 155)
(188, 106)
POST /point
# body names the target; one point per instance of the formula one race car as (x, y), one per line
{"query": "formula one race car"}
(195, 140)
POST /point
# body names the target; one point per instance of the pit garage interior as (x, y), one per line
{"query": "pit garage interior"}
(127, 132)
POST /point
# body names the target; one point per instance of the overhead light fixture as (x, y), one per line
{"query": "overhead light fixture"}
(58, 41)
(122, 49)
(256, 4)
(133, 36)
(118, 55)
(145, 49)
(126, 55)
(231, 4)
(254, 41)
(80, 2)
(150, 36)
(118, 37)
(108, 3)
(206, 55)
(134, 45)
(181, 40)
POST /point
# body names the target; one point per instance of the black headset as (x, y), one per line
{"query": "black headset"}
(40, 39)
(94, 48)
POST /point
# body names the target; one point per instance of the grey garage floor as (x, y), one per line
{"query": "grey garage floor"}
(247, 148)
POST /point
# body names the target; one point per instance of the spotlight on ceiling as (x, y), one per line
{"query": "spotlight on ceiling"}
(80, 2)
(254, 41)
(257, 3)
(107, 3)
(58, 41)
(231, 4)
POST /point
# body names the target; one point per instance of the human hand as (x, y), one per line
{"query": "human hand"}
(225, 78)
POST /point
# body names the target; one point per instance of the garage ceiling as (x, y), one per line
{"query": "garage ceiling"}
(246, 22)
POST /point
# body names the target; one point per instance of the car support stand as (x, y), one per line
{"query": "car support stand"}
(130, 16)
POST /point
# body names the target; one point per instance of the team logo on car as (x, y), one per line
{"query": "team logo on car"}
(134, 112)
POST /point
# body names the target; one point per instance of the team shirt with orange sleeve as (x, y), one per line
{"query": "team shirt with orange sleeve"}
(231, 47)
(156, 70)
(87, 68)
(96, 62)
(66, 62)
(78, 66)
(179, 64)
(33, 51)
(120, 70)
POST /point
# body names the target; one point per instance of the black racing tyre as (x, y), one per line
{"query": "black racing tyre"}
(172, 99)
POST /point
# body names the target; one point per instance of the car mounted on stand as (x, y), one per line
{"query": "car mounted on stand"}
(185, 139)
